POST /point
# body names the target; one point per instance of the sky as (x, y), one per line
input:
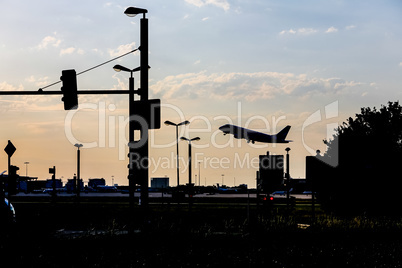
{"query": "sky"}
(257, 64)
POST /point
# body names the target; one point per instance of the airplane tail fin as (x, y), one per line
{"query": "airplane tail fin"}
(283, 133)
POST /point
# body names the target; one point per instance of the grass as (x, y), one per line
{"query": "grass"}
(209, 236)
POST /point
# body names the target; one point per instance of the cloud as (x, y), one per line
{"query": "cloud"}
(49, 41)
(4, 86)
(247, 86)
(331, 30)
(300, 31)
(66, 51)
(218, 3)
(350, 27)
(400, 64)
(121, 50)
(39, 82)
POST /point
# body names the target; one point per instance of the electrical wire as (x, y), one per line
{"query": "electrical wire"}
(132, 51)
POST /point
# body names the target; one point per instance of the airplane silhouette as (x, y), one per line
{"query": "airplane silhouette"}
(253, 136)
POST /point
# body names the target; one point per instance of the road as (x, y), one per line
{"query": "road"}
(158, 195)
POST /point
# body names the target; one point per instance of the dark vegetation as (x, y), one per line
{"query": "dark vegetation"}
(97, 235)
(369, 150)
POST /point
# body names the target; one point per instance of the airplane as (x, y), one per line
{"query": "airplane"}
(253, 136)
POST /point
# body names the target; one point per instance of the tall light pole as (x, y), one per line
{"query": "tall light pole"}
(169, 123)
(189, 162)
(287, 178)
(26, 168)
(199, 173)
(131, 172)
(143, 151)
(78, 167)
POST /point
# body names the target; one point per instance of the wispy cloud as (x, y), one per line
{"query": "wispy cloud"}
(71, 50)
(300, 31)
(247, 86)
(218, 3)
(331, 30)
(40, 82)
(121, 50)
(49, 41)
(4, 86)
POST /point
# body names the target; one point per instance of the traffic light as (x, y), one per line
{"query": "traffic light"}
(69, 89)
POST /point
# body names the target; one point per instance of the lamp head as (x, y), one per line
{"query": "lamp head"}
(119, 68)
(184, 123)
(134, 11)
(78, 145)
(169, 123)
(184, 139)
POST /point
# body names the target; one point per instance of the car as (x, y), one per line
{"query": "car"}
(8, 211)
(279, 193)
(308, 192)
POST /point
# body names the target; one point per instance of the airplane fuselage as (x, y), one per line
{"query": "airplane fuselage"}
(253, 136)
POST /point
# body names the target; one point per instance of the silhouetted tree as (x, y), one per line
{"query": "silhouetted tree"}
(368, 174)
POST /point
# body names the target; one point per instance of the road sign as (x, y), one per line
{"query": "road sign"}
(10, 148)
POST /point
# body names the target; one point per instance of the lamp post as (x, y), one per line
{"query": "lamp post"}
(199, 174)
(143, 92)
(169, 123)
(190, 192)
(287, 178)
(119, 68)
(78, 168)
(26, 168)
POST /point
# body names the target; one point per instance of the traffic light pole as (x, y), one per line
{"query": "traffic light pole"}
(144, 151)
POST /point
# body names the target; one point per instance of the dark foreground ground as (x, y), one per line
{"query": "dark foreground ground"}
(98, 235)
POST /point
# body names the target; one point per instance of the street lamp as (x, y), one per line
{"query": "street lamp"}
(78, 168)
(169, 123)
(199, 174)
(287, 177)
(189, 158)
(131, 172)
(26, 168)
(132, 12)
(190, 190)
(143, 92)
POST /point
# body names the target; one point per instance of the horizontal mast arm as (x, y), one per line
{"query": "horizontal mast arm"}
(59, 92)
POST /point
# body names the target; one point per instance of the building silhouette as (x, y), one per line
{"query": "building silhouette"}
(94, 183)
(160, 183)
